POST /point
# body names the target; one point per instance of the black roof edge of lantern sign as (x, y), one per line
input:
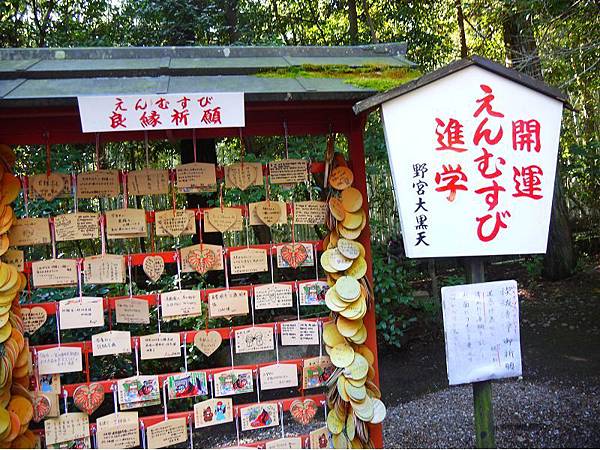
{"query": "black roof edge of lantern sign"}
(370, 103)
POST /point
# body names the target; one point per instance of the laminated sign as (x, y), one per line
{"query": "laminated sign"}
(473, 157)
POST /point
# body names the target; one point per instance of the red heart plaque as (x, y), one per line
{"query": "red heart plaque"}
(294, 254)
(201, 260)
(41, 406)
(303, 412)
(88, 398)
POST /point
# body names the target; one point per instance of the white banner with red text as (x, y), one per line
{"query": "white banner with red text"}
(108, 113)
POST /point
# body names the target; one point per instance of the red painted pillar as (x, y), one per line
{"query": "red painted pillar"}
(357, 162)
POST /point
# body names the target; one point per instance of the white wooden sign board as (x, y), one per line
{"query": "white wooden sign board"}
(161, 111)
(446, 183)
(481, 328)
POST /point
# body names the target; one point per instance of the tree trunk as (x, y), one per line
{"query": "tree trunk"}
(464, 51)
(205, 152)
(278, 22)
(231, 18)
(521, 47)
(559, 260)
(369, 20)
(522, 55)
(261, 232)
(353, 20)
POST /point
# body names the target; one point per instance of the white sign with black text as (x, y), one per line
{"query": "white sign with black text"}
(481, 328)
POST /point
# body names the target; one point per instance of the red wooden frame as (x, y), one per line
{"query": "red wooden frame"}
(25, 126)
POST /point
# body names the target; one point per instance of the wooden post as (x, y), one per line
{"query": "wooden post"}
(482, 391)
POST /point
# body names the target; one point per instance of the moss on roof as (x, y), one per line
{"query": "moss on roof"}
(373, 76)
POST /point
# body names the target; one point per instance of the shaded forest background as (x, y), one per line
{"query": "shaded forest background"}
(554, 40)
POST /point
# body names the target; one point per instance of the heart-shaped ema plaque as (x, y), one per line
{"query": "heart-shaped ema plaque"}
(154, 266)
(175, 223)
(48, 186)
(222, 219)
(201, 260)
(294, 254)
(33, 318)
(303, 412)
(41, 406)
(268, 212)
(242, 175)
(207, 343)
(88, 397)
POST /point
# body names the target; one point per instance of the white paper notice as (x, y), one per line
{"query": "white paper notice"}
(481, 327)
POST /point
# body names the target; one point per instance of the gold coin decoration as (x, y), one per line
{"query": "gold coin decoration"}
(331, 335)
(347, 288)
(337, 209)
(342, 355)
(341, 178)
(352, 199)
(348, 248)
(348, 327)
(16, 405)
(353, 397)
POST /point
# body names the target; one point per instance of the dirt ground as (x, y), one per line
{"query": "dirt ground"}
(555, 404)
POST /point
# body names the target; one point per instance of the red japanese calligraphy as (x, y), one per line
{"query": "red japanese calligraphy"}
(498, 224)
(486, 102)
(450, 136)
(139, 106)
(493, 192)
(180, 117)
(150, 120)
(526, 133)
(527, 182)
(486, 133)
(205, 101)
(484, 165)
(117, 120)
(119, 104)
(212, 115)
(162, 103)
(452, 178)
(183, 101)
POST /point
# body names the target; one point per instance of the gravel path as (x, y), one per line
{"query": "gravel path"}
(534, 415)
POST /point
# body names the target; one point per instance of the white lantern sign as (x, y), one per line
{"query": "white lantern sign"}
(473, 157)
